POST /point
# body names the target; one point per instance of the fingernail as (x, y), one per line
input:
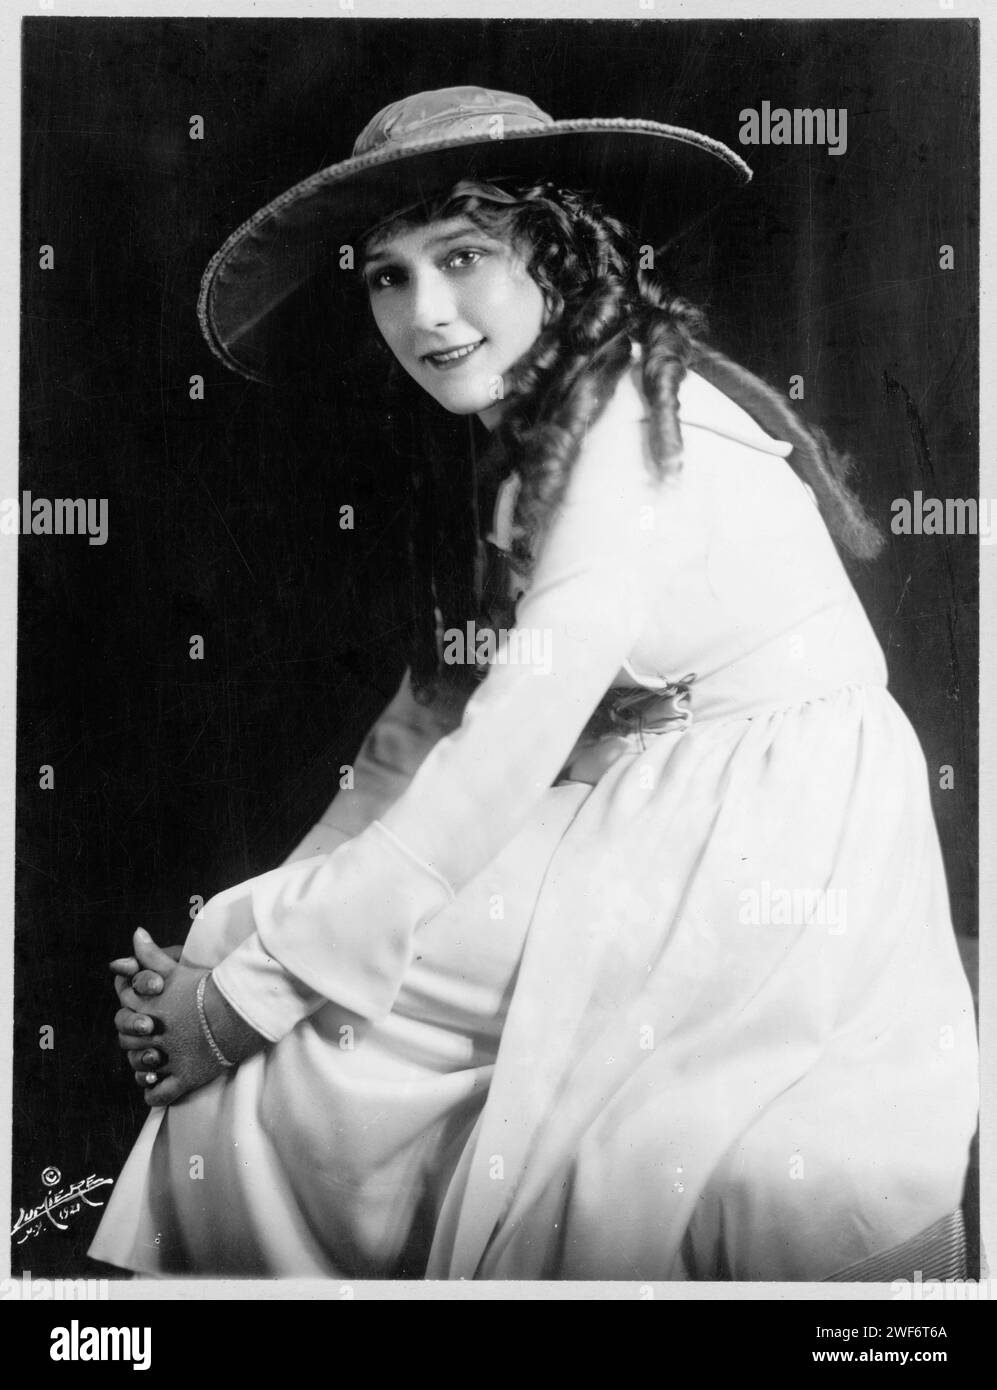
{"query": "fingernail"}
(142, 934)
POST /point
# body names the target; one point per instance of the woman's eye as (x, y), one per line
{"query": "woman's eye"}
(389, 277)
(381, 279)
(464, 257)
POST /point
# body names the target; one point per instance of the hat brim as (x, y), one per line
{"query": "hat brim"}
(659, 177)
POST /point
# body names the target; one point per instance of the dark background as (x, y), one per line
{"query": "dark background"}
(176, 777)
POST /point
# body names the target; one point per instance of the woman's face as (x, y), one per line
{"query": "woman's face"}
(457, 308)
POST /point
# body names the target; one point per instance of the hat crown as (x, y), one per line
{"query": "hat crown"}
(449, 113)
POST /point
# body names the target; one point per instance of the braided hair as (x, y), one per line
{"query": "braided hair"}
(600, 299)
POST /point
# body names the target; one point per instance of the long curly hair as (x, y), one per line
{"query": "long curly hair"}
(600, 298)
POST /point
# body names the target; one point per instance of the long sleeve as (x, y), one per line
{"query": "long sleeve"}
(269, 996)
(344, 924)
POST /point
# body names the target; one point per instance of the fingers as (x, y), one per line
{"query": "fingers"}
(148, 983)
(148, 1064)
(130, 965)
(165, 1093)
(145, 976)
(134, 1029)
(146, 1059)
(150, 956)
(128, 998)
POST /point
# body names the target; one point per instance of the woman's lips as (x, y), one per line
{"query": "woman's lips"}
(453, 357)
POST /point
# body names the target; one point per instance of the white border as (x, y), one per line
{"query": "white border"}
(299, 1289)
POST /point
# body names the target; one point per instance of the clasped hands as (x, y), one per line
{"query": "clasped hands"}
(160, 1026)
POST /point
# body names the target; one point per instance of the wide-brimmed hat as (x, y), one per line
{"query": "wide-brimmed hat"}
(663, 176)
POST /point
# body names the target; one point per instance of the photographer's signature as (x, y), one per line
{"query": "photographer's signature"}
(59, 1204)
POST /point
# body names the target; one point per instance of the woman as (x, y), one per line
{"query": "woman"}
(638, 962)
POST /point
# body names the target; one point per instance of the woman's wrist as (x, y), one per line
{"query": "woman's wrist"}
(232, 1036)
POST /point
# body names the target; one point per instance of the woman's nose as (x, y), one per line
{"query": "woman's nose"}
(433, 302)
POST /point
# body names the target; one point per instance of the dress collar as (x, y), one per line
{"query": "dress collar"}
(701, 405)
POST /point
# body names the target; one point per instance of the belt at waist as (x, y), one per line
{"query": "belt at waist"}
(631, 726)
(831, 647)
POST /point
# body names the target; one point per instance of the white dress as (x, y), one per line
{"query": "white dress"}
(661, 1003)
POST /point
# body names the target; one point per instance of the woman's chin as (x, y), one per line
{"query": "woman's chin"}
(464, 402)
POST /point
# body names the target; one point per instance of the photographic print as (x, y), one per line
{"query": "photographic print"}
(498, 525)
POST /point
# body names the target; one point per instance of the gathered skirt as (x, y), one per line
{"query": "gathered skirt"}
(704, 1017)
